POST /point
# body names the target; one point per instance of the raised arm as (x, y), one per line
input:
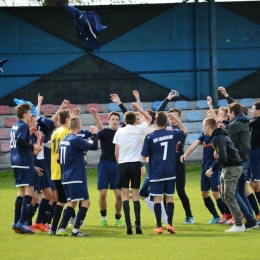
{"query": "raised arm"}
(64, 105)
(225, 94)
(146, 116)
(94, 112)
(40, 99)
(115, 98)
(137, 98)
(212, 111)
(163, 105)
(179, 123)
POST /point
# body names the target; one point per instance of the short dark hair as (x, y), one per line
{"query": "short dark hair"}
(130, 117)
(113, 113)
(63, 115)
(257, 105)
(22, 109)
(152, 114)
(244, 110)
(211, 122)
(161, 118)
(48, 115)
(174, 109)
(235, 107)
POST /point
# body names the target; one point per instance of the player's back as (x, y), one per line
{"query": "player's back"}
(21, 157)
(56, 138)
(71, 156)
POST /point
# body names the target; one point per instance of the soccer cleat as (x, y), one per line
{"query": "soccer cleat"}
(63, 233)
(24, 229)
(15, 229)
(51, 232)
(129, 231)
(138, 231)
(72, 221)
(32, 228)
(231, 221)
(171, 229)
(40, 226)
(251, 225)
(48, 226)
(119, 223)
(189, 220)
(103, 223)
(79, 234)
(214, 221)
(159, 231)
(225, 218)
(236, 229)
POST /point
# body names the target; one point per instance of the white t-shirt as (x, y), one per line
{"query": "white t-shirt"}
(128, 139)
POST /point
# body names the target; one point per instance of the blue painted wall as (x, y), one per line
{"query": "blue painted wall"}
(166, 42)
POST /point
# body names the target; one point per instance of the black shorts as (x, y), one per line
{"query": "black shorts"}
(129, 172)
(61, 193)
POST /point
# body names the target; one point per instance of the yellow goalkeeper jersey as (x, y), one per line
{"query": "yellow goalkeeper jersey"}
(56, 137)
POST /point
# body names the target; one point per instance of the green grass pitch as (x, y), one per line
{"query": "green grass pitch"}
(196, 241)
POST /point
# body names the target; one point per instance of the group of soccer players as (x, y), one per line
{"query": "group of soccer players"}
(47, 156)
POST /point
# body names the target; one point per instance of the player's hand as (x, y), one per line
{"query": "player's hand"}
(222, 126)
(39, 171)
(40, 98)
(65, 104)
(94, 111)
(171, 95)
(136, 95)
(135, 107)
(209, 101)
(183, 158)
(32, 130)
(38, 134)
(93, 129)
(115, 98)
(76, 111)
(37, 147)
(223, 91)
(35, 152)
(209, 173)
(220, 119)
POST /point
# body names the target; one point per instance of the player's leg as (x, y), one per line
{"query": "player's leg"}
(208, 202)
(135, 185)
(18, 207)
(180, 188)
(123, 184)
(46, 196)
(118, 207)
(62, 199)
(254, 164)
(103, 182)
(80, 191)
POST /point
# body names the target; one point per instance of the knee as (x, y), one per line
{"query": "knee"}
(216, 195)
(204, 194)
(103, 195)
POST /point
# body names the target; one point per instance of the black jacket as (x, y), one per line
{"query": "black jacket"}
(227, 153)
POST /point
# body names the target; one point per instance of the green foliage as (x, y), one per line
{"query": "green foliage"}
(196, 241)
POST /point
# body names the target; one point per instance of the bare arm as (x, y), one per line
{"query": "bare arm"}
(179, 123)
(212, 111)
(116, 152)
(40, 99)
(137, 98)
(147, 117)
(94, 112)
(191, 148)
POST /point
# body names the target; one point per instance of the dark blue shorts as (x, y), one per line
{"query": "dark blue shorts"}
(159, 188)
(254, 164)
(45, 180)
(108, 175)
(24, 177)
(210, 183)
(76, 191)
(145, 189)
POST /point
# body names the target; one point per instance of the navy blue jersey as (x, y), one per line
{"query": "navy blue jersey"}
(85, 134)
(46, 125)
(106, 137)
(72, 159)
(21, 157)
(160, 147)
(208, 151)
